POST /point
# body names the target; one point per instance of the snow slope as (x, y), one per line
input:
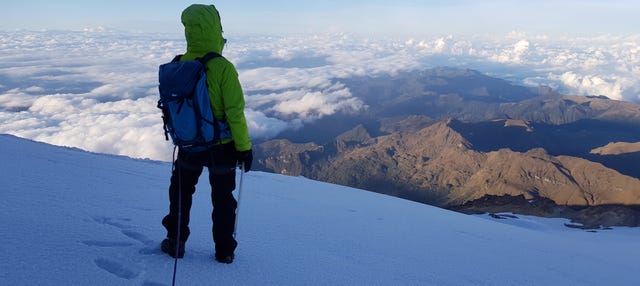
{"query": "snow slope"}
(70, 217)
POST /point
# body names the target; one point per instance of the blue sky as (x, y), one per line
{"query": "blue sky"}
(373, 17)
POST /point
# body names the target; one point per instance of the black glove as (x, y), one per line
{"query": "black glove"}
(245, 158)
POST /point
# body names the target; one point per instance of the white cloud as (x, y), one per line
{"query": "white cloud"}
(514, 54)
(98, 91)
(263, 126)
(283, 78)
(54, 106)
(310, 105)
(34, 89)
(613, 87)
(16, 99)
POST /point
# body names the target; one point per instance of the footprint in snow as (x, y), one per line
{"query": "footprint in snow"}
(117, 222)
(116, 268)
(151, 283)
(101, 243)
(137, 236)
(150, 245)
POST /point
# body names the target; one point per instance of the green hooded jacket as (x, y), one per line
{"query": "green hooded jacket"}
(203, 32)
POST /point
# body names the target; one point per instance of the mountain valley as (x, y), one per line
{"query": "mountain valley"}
(450, 138)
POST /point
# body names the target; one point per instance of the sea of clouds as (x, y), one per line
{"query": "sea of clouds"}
(97, 89)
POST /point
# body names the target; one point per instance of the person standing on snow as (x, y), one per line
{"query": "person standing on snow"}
(203, 33)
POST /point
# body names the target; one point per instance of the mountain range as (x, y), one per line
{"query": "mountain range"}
(473, 143)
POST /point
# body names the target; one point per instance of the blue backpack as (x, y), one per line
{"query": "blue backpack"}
(186, 107)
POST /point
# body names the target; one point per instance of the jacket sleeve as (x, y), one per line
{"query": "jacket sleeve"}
(233, 105)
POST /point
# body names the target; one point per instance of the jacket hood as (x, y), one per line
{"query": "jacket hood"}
(202, 29)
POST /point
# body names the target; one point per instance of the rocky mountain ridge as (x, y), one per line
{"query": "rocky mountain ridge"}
(438, 160)
(445, 138)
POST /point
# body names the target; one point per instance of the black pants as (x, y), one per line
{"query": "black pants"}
(220, 161)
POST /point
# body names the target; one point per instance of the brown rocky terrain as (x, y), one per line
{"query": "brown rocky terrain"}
(454, 138)
(594, 217)
(436, 165)
(617, 148)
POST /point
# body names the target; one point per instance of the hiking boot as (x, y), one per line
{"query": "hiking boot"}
(228, 259)
(168, 246)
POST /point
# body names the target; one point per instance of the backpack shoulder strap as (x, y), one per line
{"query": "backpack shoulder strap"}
(206, 58)
(203, 60)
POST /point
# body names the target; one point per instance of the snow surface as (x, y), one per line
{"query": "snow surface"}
(70, 217)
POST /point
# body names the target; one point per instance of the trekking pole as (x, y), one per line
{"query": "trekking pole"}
(235, 226)
(175, 262)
